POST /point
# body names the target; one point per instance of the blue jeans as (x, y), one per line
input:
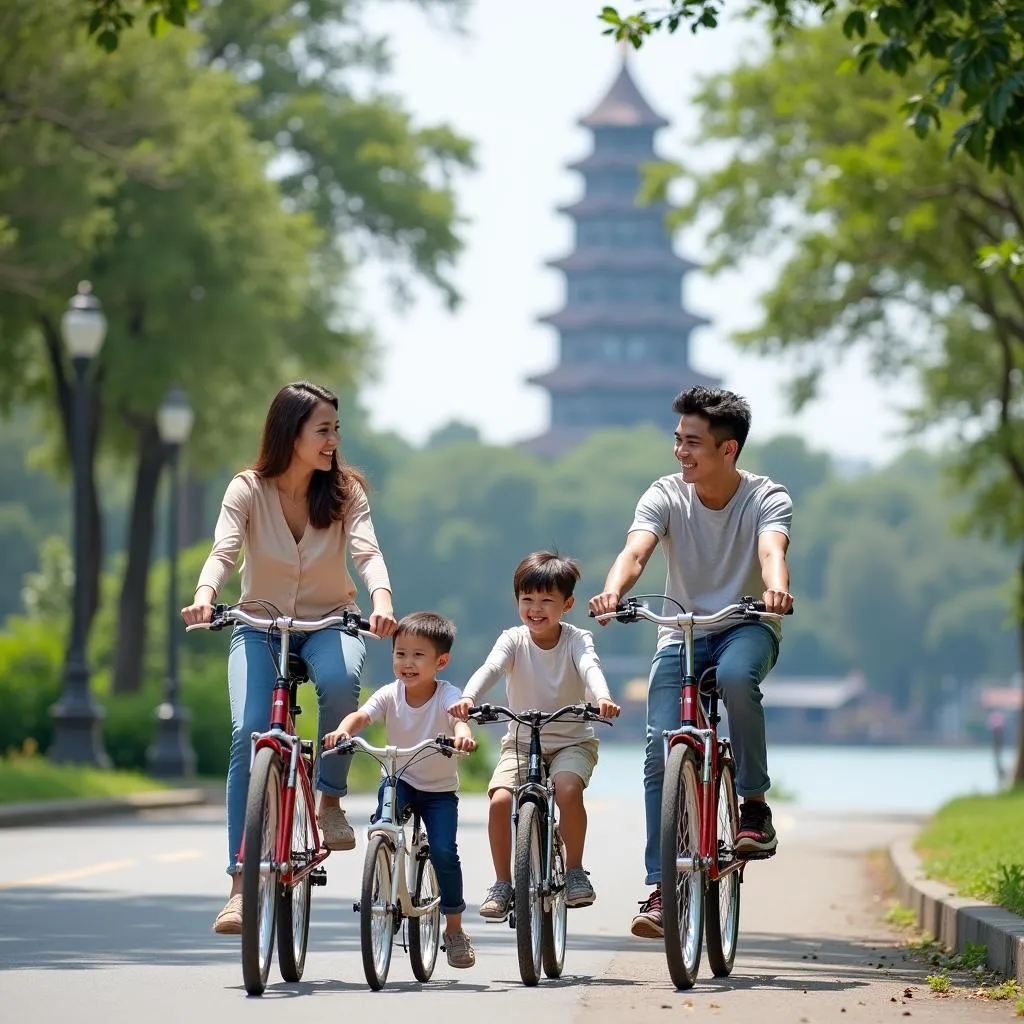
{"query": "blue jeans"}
(335, 661)
(744, 655)
(439, 813)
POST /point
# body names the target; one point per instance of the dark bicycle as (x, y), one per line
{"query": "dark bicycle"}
(538, 875)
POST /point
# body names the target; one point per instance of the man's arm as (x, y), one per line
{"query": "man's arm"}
(625, 571)
(771, 552)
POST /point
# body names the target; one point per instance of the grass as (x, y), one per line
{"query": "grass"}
(28, 776)
(901, 917)
(975, 845)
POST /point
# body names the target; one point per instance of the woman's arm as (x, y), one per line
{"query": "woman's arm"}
(369, 563)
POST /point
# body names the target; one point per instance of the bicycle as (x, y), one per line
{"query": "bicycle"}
(282, 852)
(699, 809)
(538, 876)
(385, 898)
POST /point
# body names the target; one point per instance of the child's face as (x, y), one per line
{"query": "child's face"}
(416, 660)
(542, 610)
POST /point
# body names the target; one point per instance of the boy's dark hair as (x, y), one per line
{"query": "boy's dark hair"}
(545, 571)
(728, 414)
(430, 626)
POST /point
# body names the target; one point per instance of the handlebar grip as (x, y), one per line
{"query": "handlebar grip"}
(758, 606)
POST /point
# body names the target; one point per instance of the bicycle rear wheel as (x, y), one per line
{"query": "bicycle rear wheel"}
(425, 931)
(682, 891)
(259, 875)
(722, 923)
(293, 901)
(553, 922)
(529, 880)
(376, 915)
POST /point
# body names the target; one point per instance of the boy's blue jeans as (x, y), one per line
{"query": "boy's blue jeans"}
(744, 655)
(335, 660)
(439, 813)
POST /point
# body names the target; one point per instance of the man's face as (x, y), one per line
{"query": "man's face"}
(699, 455)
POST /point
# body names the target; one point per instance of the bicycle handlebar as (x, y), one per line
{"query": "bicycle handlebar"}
(484, 713)
(747, 608)
(444, 745)
(224, 615)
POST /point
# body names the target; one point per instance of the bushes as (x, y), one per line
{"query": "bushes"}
(31, 667)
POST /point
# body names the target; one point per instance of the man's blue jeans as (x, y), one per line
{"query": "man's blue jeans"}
(335, 661)
(439, 813)
(744, 655)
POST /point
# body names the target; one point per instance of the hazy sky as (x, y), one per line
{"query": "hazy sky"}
(516, 82)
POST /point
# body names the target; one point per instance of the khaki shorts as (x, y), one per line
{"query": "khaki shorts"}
(510, 771)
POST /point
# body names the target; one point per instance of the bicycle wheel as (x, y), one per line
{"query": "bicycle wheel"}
(425, 931)
(529, 882)
(293, 901)
(259, 879)
(376, 915)
(722, 921)
(682, 892)
(553, 922)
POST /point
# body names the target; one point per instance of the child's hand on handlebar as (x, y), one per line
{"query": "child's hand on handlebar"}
(460, 709)
(332, 739)
(466, 743)
(608, 708)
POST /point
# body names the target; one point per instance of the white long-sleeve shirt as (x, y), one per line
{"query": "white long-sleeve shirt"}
(543, 680)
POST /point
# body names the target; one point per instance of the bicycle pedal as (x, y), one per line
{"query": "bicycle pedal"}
(756, 855)
(318, 876)
(355, 907)
(512, 920)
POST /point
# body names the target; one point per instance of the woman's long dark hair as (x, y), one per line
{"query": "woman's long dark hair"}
(330, 491)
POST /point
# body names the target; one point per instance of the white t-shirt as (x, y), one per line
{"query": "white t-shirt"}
(406, 726)
(544, 681)
(712, 553)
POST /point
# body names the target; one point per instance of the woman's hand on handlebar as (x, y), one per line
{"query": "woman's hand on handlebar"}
(608, 708)
(604, 604)
(197, 613)
(460, 709)
(382, 619)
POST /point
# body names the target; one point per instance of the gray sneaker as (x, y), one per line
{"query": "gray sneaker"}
(497, 902)
(578, 890)
(459, 949)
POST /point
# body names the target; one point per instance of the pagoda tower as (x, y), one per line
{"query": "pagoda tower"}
(624, 337)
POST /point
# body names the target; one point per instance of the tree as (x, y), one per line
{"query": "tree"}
(107, 19)
(971, 50)
(881, 231)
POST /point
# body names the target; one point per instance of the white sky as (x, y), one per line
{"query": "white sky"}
(515, 83)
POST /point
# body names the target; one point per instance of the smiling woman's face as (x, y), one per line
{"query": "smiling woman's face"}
(319, 438)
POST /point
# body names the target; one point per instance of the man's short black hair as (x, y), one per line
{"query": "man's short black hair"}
(728, 414)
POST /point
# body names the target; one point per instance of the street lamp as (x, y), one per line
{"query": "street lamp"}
(171, 755)
(76, 716)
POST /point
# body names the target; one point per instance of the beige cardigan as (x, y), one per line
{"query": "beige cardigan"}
(307, 579)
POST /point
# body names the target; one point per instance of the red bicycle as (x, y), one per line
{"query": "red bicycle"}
(699, 810)
(282, 850)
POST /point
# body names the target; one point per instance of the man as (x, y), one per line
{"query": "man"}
(724, 533)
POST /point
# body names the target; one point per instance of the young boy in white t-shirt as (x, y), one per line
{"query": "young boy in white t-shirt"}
(414, 708)
(548, 664)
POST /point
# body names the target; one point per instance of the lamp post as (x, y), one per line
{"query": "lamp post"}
(171, 755)
(76, 716)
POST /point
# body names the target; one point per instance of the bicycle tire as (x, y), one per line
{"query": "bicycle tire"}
(293, 903)
(553, 923)
(259, 904)
(376, 888)
(425, 931)
(722, 916)
(528, 880)
(682, 892)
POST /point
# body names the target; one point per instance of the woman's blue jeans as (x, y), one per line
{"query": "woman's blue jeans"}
(335, 661)
(743, 655)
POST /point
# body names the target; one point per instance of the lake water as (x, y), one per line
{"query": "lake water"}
(879, 779)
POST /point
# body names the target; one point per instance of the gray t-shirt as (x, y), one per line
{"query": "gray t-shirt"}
(711, 553)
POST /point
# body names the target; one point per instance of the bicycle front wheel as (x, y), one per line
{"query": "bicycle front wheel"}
(682, 889)
(425, 931)
(722, 924)
(259, 873)
(293, 901)
(553, 924)
(529, 882)
(376, 914)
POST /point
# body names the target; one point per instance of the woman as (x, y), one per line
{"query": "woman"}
(296, 512)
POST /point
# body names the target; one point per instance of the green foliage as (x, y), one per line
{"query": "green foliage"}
(966, 53)
(27, 777)
(31, 668)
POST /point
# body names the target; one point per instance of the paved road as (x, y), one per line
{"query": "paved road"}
(113, 919)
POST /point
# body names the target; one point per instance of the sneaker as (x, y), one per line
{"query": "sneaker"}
(459, 949)
(578, 890)
(756, 834)
(338, 833)
(497, 902)
(649, 924)
(229, 920)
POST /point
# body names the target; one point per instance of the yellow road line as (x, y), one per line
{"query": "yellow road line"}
(178, 856)
(71, 875)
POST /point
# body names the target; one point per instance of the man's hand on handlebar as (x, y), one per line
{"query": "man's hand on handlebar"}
(604, 604)
(778, 601)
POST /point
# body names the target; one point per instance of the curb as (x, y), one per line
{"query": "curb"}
(958, 920)
(58, 812)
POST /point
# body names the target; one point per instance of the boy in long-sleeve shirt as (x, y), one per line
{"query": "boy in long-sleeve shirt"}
(548, 663)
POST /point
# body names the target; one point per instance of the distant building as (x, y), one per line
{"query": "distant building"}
(624, 338)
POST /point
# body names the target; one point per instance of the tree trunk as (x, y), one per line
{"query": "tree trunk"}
(130, 651)
(193, 527)
(1018, 771)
